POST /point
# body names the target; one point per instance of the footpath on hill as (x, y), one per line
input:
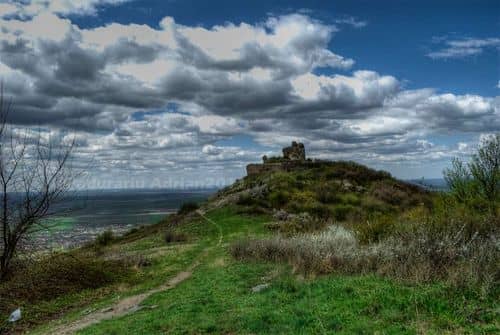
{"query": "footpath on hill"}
(132, 303)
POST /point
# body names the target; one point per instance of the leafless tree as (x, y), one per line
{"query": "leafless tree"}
(35, 173)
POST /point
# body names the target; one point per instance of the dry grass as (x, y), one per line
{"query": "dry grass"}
(292, 224)
(333, 249)
(419, 254)
(451, 253)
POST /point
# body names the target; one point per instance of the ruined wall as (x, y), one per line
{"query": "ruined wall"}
(294, 157)
(296, 152)
(253, 169)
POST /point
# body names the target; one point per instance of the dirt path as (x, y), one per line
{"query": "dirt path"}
(202, 214)
(123, 307)
(133, 303)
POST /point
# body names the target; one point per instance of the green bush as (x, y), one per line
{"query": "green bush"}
(188, 207)
(278, 199)
(371, 205)
(354, 171)
(105, 238)
(318, 210)
(350, 199)
(246, 200)
(340, 212)
(376, 229)
(327, 194)
(478, 182)
(299, 223)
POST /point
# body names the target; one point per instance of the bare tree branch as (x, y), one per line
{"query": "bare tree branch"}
(35, 173)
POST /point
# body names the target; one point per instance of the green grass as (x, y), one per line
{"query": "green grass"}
(166, 261)
(218, 299)
(56, 224)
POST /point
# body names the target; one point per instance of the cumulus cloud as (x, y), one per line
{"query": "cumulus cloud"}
(169, 97)
(30, 8)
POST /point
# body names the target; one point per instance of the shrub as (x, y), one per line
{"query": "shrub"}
(459, 181)
(429, 252)
(188, 207)
(172, 236)
(480, 178)
(278, 198)
(422, 252)
(246, 200)
(318, 210)
(376, 228)
(105, 238)
(350, 199)
(354, 171)
(319, 253)
(485, 169)
(326, 194)
(252, 210)
(389, 193)
(57, 275)
(372, 205)
(298, 223)
(340, 212)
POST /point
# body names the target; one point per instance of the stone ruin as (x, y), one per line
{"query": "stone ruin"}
(296, 152)
(292, 156)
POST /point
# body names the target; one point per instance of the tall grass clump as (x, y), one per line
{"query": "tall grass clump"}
(450, 249)
(334, 249)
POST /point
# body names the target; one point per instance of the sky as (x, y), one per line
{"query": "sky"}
(180, 94)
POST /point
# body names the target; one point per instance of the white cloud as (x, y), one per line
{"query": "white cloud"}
(165, 97)
(211, 150)
(32, 8)
(462, 48)
(352, 21)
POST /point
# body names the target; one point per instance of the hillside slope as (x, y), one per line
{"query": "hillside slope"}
(325, 189)
(280, 253)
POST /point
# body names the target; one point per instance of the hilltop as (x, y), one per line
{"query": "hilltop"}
(304, 246)
(325, 189)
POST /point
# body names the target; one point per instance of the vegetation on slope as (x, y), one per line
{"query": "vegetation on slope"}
(410, 235)
(327, 190)
(331, 248)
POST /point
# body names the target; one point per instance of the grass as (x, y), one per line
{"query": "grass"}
(218, 298)
(163, 261)
(339, 190)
